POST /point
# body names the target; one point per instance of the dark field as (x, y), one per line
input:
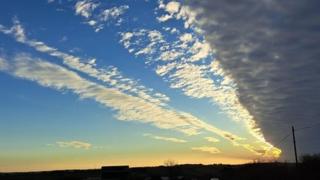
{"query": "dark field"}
(254, 171)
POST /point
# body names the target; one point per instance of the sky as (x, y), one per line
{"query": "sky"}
(86, 83)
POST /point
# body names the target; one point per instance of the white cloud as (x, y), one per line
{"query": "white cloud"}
(127, 107)
(153, 37)
(171, 8)
(92, 22)
(74, 144)
(97, 16)
(92, 61)
(170, 139)
(63, 39)
(207, 149)
(212, 139)
(170, 55)
(3, 64)
(110, 76)
(200, 50)
(113, 12)
(162, 70)
(18, 31)
(189, 67)
(174, 10)
(164, 18)
(174, 30)
(155, 47)
(198, 84)
(186, 37)
(188, 15)
(85, 8)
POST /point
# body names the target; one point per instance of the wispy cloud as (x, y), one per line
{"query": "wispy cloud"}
(110, 75)
(207, 80)
(3, 64)
(118, 93)
(170, 139)
(74, 144)
(156, 48)
(172, 8)
(128, 108)
(176, 60)
(178, 11)
(113, 12)
(188, 53)
(63, 39)
(212, 139)
(207, 149)
(102, 16)
(85, 8)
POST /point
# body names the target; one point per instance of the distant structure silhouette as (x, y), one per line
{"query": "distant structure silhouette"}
(115, 172)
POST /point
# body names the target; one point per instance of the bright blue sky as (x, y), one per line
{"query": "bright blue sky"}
(45, 118)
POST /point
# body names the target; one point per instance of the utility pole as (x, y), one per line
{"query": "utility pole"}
(295, 148)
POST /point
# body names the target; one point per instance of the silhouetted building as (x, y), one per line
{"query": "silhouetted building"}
(115, 172)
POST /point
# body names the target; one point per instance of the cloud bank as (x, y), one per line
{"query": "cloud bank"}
(271, 50)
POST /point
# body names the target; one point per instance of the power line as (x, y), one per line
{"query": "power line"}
(289, 125)
(277, 144)
(286, 136)
(283, 139)
(308, 127)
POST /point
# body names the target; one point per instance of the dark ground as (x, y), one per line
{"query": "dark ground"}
(254, 171)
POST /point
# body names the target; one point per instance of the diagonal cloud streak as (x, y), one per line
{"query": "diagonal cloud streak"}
(110, 76)
(174, 62)
(114, 80)
(128, 108)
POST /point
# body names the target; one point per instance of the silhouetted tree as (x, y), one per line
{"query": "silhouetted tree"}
(169, 163)
(172, 167)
